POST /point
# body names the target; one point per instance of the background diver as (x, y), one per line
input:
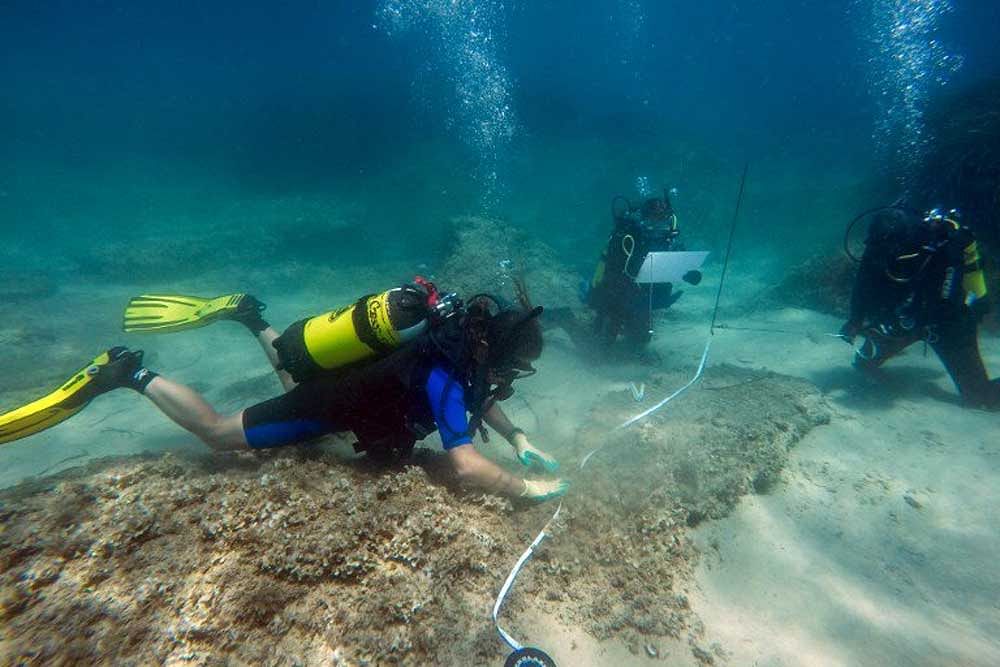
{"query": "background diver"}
(621, 306)
(392, 368)
(921, 280)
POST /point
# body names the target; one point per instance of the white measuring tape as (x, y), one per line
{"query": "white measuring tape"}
(529, 552)
(509, 583)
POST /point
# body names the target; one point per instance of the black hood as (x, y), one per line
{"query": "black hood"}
(515, 339)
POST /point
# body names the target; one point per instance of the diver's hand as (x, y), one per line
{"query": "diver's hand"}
(532, 456)
(849, 332)
(541, 490)
(692, 277)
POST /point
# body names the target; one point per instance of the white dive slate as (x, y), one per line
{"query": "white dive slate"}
(669, 267)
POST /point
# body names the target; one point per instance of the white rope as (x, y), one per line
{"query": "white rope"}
(529, 552)
(513, 575)
(628, 422)
(646, 413)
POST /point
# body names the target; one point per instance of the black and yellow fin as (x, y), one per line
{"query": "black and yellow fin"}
(60, 405)
(163, 313)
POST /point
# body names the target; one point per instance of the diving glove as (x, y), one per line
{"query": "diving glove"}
(849, 332)
(541, 490)
(692, 277)
(531, 456)
(248, 313)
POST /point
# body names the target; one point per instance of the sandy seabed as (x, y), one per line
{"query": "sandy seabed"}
(785, 511)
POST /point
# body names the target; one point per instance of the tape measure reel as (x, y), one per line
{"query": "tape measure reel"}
(529, 657)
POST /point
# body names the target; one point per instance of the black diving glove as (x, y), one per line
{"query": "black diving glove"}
(849, 332)
(692, 277)
(248, 313)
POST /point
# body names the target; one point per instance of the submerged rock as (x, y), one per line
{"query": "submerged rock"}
(246, 558)
(256, 558)
(487, 254)
(822, 283)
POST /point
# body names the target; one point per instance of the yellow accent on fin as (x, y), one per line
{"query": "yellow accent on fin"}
(52, 409)
(163, 313)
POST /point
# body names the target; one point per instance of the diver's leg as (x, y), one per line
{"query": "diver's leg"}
(612, 329)
(266, 339)
(605, 326)
(958, 348)
(249, 314)
(599, 304)
(193, 413)
(620, 313)
(296, 416)
(638, 326)
(290, 418)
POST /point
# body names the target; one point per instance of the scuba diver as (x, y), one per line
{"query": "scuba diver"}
(621, 306)
(921, 280)
(391, 368)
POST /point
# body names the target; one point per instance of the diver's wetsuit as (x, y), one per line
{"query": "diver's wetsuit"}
(621, 305)
(918, 283)
(388, 404)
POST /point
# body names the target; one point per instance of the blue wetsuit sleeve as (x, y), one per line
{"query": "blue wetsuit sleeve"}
(447, 401)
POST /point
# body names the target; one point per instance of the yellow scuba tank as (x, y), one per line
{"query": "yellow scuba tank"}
(599, 272)
(371, 327)
(973, 281)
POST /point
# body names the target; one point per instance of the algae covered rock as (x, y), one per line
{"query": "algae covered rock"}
(821, 282)
(729, 437)
(248, 559)
(487, 254)
(302, 556)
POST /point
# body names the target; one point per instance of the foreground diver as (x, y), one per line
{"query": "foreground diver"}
(622, 306)
(392, 368)
(920, 280)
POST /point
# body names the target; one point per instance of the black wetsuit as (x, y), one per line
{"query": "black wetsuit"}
(388, 404)
(621, 305)
(913, 286)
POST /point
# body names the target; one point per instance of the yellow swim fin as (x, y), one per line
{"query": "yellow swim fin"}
(109, 370)
(163, 313)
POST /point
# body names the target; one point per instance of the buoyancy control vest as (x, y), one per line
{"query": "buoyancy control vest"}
(920, 273)
(378, 353)
(388, 407)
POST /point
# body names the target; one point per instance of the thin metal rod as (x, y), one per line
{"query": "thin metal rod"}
(529, 552)
(729, 247)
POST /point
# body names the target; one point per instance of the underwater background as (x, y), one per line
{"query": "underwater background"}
(123, 121)
(312, 152)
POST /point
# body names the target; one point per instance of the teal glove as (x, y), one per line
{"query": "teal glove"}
(531, 456)
(541, 490)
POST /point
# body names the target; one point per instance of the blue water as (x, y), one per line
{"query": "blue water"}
(221, 146)
(352, 97)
